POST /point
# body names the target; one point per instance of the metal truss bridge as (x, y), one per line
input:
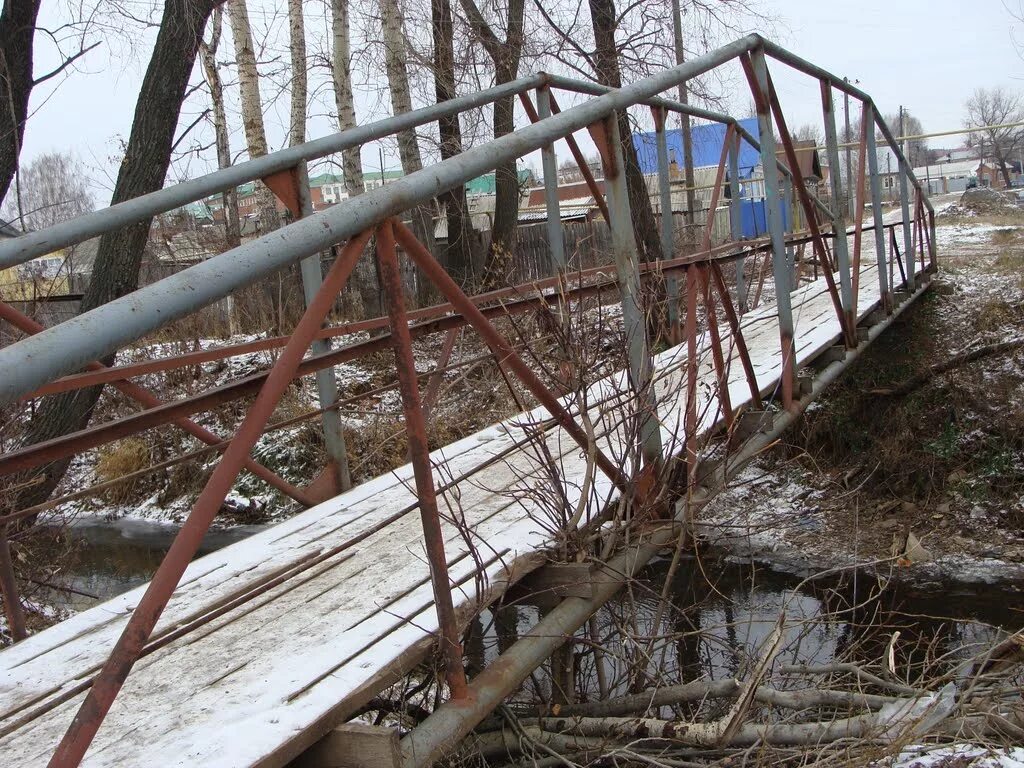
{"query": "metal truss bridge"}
(258, 654)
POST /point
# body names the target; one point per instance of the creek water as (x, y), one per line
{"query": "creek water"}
(720, 614)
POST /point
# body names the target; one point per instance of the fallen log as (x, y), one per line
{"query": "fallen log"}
(728, 688)
(956, 361)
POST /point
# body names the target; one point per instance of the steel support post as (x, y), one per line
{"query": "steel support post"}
(841, 247)
(556, 242)
(419, 455)
(858, 227)
(908, 235)
(875, 186)
(641, 366)
(789, 222)
(780, 264)
(736, 217)
(139, 627)
(502, 350)
(817, 239)
(9, 591)
(326, 383)
(581, 163)
(667, 233)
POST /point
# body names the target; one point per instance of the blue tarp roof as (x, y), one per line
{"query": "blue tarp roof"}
(707, 147)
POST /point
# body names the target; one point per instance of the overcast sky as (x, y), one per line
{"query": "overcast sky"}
(928, 55)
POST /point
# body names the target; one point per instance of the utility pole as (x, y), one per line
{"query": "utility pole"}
(684, 121)
(849, 154)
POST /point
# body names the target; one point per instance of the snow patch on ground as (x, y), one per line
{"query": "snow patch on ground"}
(959, 755)
(961, 234)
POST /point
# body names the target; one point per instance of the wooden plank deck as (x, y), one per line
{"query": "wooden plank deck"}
(267, 641)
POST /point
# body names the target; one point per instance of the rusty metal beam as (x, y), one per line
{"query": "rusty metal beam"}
(137, 630)
(419, 456)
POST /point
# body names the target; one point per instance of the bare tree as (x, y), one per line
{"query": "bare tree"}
(395, 50)
(51, 189)
(252, 105)
(989, 109)
(604, 19)
(119, 255)
(809, 132)
(916, 149)
(505, 54)
(461, 239)
(208, 55)
(341, 71)
(17, 30)
(300, 85)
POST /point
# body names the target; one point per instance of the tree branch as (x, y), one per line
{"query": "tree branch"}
(66, 63)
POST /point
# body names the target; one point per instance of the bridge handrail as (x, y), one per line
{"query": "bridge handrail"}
(61, 349)
(45, 241)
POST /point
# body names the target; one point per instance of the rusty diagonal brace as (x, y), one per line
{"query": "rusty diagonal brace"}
(502, 350)
(145, 398)
(845, 321)
(140, 625)
(419, 455)
(581, 161)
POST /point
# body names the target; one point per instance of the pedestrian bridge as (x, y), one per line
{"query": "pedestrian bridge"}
(255, 654)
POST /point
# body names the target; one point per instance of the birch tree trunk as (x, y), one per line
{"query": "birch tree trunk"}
(252, 106)
(395, 51)
(366, 277)
(285, 294)
(297, 41)
(351, 161)
(461, 239)
(208, 55)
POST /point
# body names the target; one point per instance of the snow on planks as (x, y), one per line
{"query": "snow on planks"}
(267, 642)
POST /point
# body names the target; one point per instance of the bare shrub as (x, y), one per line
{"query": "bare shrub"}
(119, 459)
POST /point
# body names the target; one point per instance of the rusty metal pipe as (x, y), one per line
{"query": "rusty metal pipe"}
(9, 590)
(419, 456)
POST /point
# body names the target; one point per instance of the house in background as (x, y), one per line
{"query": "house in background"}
(576, 203)
(707, 140)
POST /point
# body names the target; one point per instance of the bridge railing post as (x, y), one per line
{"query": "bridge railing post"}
(140, 625)
(419, 455)
(840, 243)
(624, 250)
(736, 218)
(875, 184)
(9, 590)
(667, 225)
(556, 238)
(908, 236)
(292, 189)
(326, 383)
(776, 231)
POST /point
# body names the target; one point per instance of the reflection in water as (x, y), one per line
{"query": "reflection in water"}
(722, 615)
(109, 558)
